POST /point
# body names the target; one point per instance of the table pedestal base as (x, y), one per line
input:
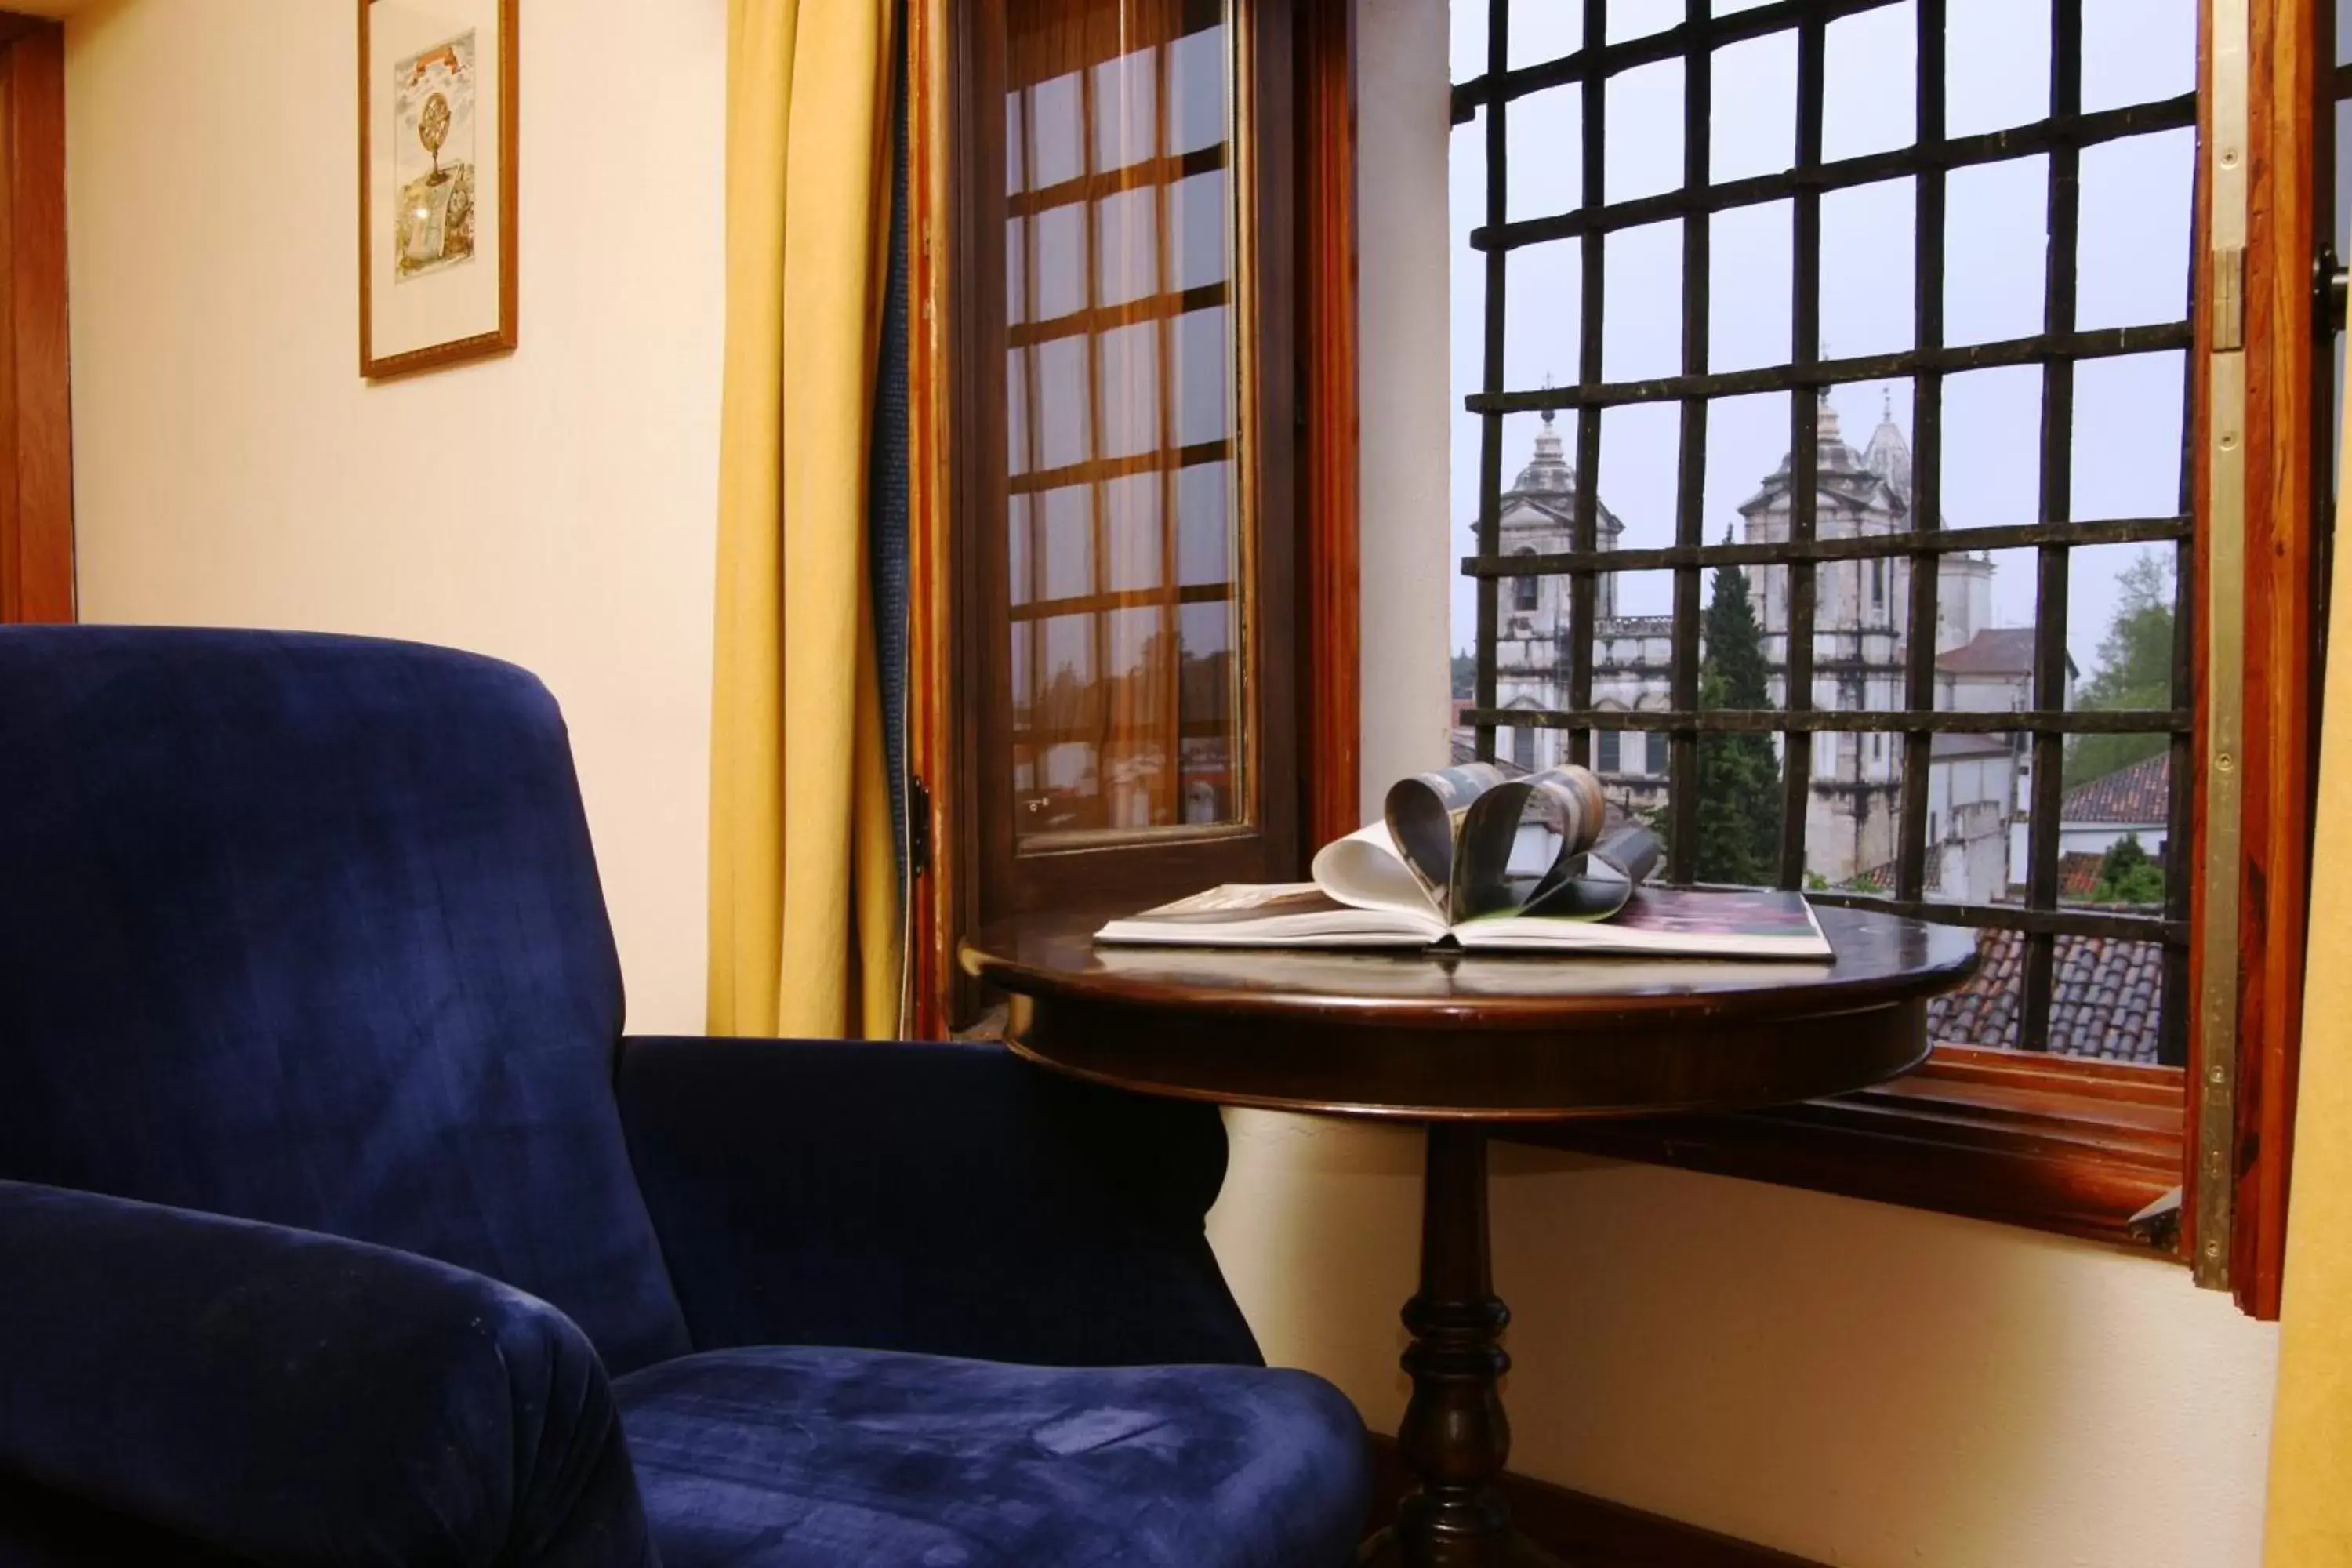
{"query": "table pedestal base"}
(1455, 1436)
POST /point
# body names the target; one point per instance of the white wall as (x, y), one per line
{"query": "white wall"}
(555, 507)
(1400, 257)
(1861, 1385)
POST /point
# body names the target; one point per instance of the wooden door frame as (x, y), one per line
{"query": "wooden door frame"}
(37, 543)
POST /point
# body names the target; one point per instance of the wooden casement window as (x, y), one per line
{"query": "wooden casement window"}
(1133, 454)
(2187, 1157)
(1854, 557)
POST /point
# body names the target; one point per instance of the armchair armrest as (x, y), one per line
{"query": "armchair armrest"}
(943, 1198)
(280, 1396)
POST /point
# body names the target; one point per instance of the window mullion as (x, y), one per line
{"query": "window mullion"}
(1804, 448)
(1585, 531)
(1490, 424)
(1690, 480)
(1923, 634)
(2043, 839)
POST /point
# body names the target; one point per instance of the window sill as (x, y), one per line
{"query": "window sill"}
(2074, 1147)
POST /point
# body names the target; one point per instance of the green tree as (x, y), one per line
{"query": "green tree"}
(2128, 875)
(1465, 674)
(1738, 777)
(2135, 671)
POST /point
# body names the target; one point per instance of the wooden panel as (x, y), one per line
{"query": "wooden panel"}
(933, 734)
(2287, 81)
(2075, 1148)
(35, 412)
(1590, 1531)
(1332, 652)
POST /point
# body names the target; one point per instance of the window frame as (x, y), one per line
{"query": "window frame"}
(1294, 107)
(2082, 1148)
(2104, 1154)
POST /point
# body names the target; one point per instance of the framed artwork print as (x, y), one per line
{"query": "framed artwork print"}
(437, 151)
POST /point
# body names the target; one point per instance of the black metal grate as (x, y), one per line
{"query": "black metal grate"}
(2060, 137)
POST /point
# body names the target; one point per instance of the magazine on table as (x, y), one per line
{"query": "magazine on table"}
(1465, 857)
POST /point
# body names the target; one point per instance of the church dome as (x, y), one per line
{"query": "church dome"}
(1540, 506)
(1549, 473)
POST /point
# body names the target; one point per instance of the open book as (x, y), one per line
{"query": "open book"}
(1466, 856)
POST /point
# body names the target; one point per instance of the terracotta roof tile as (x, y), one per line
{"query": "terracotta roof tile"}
(1996, 650)
(2140, 793)
(2107, 998)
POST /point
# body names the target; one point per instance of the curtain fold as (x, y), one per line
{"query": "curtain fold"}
(2310, 1505)
(804, 919)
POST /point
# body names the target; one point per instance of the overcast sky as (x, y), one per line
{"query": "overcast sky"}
(2134, 270)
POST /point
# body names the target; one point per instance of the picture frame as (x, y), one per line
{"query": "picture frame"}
(438, 148)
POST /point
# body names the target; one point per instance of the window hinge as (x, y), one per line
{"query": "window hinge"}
(918, 827)
(2228, 298)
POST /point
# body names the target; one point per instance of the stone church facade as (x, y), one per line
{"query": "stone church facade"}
(1860, 642)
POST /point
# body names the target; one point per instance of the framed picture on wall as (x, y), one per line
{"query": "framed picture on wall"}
(437, 154)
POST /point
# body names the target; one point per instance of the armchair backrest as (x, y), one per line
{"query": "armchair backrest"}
(307, 929)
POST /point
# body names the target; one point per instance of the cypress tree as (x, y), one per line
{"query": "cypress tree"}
(1738, 777)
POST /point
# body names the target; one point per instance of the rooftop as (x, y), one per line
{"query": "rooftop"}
(1996, 650)
(2139, 793)
(2107, 998)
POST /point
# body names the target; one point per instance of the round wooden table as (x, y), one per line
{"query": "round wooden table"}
(1458, 1043)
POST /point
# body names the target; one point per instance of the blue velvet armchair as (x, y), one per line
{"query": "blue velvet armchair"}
(339, 1223)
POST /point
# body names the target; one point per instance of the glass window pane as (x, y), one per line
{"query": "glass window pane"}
(1132, 533)
(1204, 512)
(1062, 416)
(1061, 260)
(1198, 99)
(1068, 557)
(1016, 162)
(1127, 110)
(1197, 214)
(1130, 389)
(1056, 148)
(1016, 411)
(1204, 377)
(1127, 247)
(1123, 601)
(1016, 271)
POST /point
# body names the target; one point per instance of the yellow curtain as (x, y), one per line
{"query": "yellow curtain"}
(804, 932)
(2310, 1522)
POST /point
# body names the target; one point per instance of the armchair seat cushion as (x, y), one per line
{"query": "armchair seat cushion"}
(776, 1456)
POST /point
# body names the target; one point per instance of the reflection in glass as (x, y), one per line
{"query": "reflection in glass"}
(1123, 511)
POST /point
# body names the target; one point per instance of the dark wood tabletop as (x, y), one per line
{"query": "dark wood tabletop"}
(1456, 1042)
(1475, 1037)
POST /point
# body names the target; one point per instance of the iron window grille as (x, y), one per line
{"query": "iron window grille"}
(2060, 136)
